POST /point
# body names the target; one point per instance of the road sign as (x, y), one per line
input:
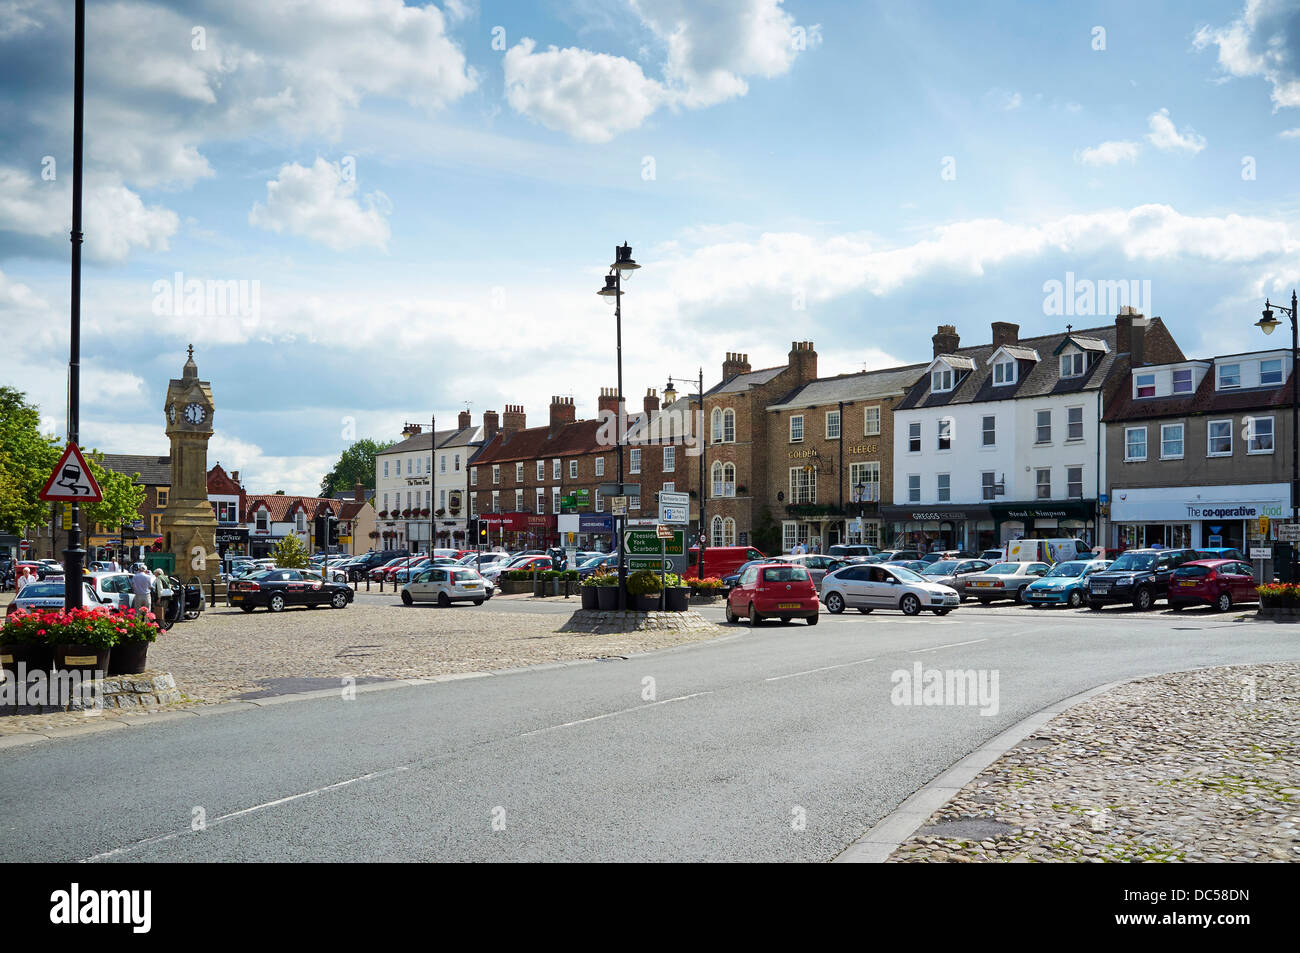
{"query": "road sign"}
(646, 542)
(620, 489)
(71, 479)
(618, 505)
(674, 507)
(1263, 527)
(1261, 552)
(665, 532)
(1288, 532)
(656, 564)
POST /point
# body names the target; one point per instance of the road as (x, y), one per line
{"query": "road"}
(741, 739)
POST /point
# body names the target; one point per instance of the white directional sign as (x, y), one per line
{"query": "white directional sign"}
(1261, 552)
(71, 480)
(674, 507)
(1288, 532)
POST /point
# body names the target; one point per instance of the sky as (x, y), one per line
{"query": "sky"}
(417, 204)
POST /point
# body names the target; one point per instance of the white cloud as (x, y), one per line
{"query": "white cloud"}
(1110, 153)
(1290, 133)
(1165, 135)
(318, 204)
(1007, 100)
(590, 96)
(711, 49)
(1263, 41)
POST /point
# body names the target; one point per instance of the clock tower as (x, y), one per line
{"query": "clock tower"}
(189, 526)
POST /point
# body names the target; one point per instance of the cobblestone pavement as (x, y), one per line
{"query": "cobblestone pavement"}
(225, 652)
(1193, 766)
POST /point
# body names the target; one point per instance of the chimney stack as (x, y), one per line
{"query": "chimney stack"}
(651, 402)
(734, 364)
(608, 400)
(1004, 332)
(562, 411)
(803, 360)
(358, 492)
(1130, 334)
(234, 475)
(946, 340)
(463, 420)
(411, 430)
(491, 424)
(512, 418)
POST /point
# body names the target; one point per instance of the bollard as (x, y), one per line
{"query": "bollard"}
(367, 582)
(212, 592)
(567, 584)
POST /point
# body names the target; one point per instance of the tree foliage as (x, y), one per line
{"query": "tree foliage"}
(26, 458)
(123, 496)
(357, 462)
(290, 553)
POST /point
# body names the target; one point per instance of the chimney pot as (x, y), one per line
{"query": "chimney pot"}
(1004, 332)
(946, 340)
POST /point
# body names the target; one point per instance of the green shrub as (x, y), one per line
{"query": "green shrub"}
(644, 583)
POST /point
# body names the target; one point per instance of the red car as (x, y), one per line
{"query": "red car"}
(773, 589)
(381, 572)
(1221, 583)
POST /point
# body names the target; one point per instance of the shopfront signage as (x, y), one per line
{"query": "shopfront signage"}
(1233, 511)
(591, 523)
(924, 517)
(862, 448)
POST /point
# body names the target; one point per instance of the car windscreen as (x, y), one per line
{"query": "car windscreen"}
(42, 590)
(1003, 569)
(906, 575)
(1196, 572)
(1067, 569)
(1133, 562)
(786, 574)
(943, 567)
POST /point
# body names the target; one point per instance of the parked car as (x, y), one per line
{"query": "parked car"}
(1064, 583)
(397, 562)
(445, 584)
(607, 563)
(894, 555)
(541, 563)
(847, 551)
(816, 564)
(277, 589)
(1221, 552)
(953, 573)
(994, 555)
(115, 587)
(372, 560)
(773, 589)
(1047, 550)
(721, 560)
(404, 574)
(1137, 576)
(1221, 583)
(1006, 580)
(731, 579)
(870, 587)
(915, 565)
(49, 595)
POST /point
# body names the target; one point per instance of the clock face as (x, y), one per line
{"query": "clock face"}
(195, 413)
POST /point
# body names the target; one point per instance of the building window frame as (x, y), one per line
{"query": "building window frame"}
(1166, 439)
(871, 421)
(1255, 439)
(796, 428)
(833, 424)
(1130, 446)
(1211, 437)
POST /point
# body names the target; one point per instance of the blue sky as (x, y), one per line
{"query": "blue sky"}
(428, 197)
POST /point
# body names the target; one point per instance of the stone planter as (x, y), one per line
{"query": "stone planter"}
(85, 658)
(511, 587)
(35, 656)
(606, 598)
(591, 597)
(1282, 613)
(129, 657)
(706, 597)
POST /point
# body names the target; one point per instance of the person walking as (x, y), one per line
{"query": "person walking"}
(157, 588)
(23, 579)
(141, 587)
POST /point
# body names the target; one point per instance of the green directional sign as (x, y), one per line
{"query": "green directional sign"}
(637, 563)
(646, 542)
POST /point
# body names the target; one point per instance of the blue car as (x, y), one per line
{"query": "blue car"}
(1063, 584)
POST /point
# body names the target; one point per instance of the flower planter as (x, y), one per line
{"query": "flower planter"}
(36, 656)
(706, 596)
(85, 658)
(591, 597)
(647, 603)
(128, 657)
(606, 598)
(677, 597)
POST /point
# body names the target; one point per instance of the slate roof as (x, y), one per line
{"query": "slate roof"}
(745, 381)
(419, 441)
(1020, 353)
(865, 385)
(536, 443)
(1039, 379)
(1204, 400)
(283, 507)
(154, 471)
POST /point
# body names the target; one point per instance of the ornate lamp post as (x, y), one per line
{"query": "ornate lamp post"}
(623, 262)
(1268, 324)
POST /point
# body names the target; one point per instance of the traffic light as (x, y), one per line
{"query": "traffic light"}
(334, 532)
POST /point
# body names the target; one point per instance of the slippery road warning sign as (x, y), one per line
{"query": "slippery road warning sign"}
(72, 480)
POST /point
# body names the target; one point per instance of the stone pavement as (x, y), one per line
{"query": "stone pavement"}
(1192, 766)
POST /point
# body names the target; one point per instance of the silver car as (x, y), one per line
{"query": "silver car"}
(49, 595)
(954, 573)
(868, 587)
(816, 564)
(1004, 581)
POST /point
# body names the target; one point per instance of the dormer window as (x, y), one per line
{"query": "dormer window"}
(1270, 372)
(1144, 385)
(1183, 380)
(1004, 372)
(1072, 365)
(941, 380)
(1229, 376)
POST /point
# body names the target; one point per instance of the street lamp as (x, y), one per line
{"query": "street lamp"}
(1268, 323)
(433, 489)
(704, 447)
(623, 262)
(860, 489)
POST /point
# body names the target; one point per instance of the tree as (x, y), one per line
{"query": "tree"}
(357, 462)
(123, 497)
(26, 458)
(290, 553)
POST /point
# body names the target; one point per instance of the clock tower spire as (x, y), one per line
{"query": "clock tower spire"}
(188, 524)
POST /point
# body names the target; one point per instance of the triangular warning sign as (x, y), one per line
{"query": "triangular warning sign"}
(72, 480)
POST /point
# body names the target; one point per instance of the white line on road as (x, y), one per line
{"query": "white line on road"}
(777, 678)
(950, 645)
(621, 711)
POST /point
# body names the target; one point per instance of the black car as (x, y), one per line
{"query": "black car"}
(359, 568)
(1137, 576)
(278, 588)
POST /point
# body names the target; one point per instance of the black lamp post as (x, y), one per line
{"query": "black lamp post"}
(1267, 324)
(861, 490)
(614, 289)
(704, 446)
(74, 555)
(433, 487)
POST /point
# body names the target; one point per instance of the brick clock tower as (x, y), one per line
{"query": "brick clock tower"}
(189, 527)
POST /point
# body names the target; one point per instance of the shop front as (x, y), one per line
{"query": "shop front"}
(934, 528)
(519, 531)
(1197, 517)
(1045, 519)
(232, 541)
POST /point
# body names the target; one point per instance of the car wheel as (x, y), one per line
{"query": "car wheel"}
(276, 603)
(1020, 594)
(865, 611)
(340, 600)
(245, 608)
(942, 611)
(1223, 603)
(1143, 601)
(785, 620)
(1094, 606)
(1076, 599)
(834, 603)
(731, 616)
(754, 617)
(812, 619)
(1176, 606)
(478, 602)
(984, 600)
(910, 604)
(443, 600)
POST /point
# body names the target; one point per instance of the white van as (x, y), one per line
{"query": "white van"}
(1047, 550)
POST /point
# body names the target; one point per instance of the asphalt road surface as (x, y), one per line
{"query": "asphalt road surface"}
(778, 744)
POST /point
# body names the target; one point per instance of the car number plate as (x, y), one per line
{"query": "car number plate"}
(235, 597)
(1186, 582)
(981, 585)
(471, 585)
(788, 605)
(1101, 587)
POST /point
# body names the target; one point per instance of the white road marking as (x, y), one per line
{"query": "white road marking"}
(621, 711)
(950, 645)
(777, 678)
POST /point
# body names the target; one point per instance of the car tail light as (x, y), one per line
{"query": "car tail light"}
(1212, 574)
(251, 587)
(997, 584)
